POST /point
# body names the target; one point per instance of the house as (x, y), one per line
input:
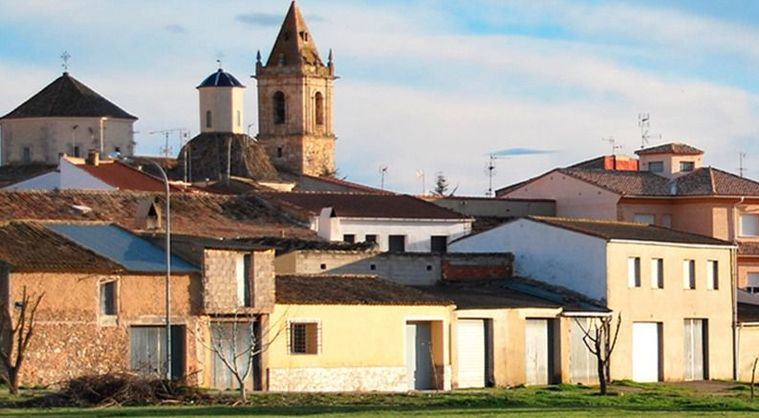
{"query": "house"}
(747, 334)
(92, 173)
(674, 290)
(66, 117)
(397, 223)
(671, 188)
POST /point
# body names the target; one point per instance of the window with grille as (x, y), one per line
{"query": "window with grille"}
(304, 338)
(687, 166)
(656, 166)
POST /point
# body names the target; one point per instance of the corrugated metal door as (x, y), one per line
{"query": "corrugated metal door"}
(694, 350)
(419, 355)
(471, 353)
(536, 351)
(147, 350)
(583, 365)
(224, 339)
(646, 351)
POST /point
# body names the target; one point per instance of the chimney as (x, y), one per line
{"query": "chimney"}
(93, 158)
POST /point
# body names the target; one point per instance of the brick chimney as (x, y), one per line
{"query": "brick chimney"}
(93, 158)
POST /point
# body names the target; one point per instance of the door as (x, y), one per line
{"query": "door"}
(234, 341)
(646, 356)
(583, 365)
(471, 353)
(419, 355)
(147, 350)
(536, 352)
(694, 352)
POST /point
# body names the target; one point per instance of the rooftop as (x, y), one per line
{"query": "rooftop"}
(125, 177)
(672, 148)
(615, 230)
(350, 290)
(365, 205)
(294, 45)
(220, 79)
(68, 97)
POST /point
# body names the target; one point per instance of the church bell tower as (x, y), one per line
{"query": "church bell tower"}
(295, 101)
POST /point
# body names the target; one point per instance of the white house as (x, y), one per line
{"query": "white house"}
(397, 223)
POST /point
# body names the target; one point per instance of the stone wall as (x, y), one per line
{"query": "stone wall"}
(263, 280)
(220, 281)
(344, 379)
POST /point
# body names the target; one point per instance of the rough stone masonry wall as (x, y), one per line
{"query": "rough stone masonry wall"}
(263, 280)
(71, 338)
(219, 281)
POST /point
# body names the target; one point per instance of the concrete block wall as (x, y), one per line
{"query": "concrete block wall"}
(262, 280)
(220, 280)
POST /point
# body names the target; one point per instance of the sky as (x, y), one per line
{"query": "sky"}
(425, 85)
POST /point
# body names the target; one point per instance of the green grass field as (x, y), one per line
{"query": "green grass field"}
(630, 399)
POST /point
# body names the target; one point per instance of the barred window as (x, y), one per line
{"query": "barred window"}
(304, 338)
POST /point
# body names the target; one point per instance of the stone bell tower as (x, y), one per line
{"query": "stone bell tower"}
(295, 101)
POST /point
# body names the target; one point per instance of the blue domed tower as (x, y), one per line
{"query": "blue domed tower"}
(222, 104)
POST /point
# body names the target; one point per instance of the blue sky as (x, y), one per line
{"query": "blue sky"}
(425, 84)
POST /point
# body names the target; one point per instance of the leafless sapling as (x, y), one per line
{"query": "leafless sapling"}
(600, 340)
(16, 331)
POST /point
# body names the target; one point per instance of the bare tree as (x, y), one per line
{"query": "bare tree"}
(235, 344)
(600, 340)
(16, 332)
(441, 185)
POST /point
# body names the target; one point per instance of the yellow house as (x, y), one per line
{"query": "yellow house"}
(674, 290)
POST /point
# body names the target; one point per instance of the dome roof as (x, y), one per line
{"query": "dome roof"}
(221, 79)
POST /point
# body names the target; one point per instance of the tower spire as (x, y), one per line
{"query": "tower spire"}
(294, 44)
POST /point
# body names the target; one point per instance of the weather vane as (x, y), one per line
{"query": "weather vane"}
(65, 57)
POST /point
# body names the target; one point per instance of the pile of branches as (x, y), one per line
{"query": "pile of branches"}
(121, 389)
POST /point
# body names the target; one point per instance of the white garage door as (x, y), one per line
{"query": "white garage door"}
(471, 353)
(536, 351)
(645, 351)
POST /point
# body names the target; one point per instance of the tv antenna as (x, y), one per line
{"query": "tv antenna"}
(422, 176)
(166, 149)
(614, 146)
(490, 170)
(383, 173)
(644, 123)
(65, 56)
(741, 168)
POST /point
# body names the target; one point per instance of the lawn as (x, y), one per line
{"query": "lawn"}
(630, 399)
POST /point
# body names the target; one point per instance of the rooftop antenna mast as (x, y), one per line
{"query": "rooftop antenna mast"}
(383, 173)
(644, 123)
(166, 149)
(65, 56)
(614, 146)
(741, 168)
(490, 170)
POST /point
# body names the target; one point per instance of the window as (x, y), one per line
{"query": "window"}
(687, 165)
(644, 218)
(108, 298)
(656, 166)
(666, 220)
(280, 110)
(657, 273)
(752, 283)
(319, 106)
(689, 274)
(633, 271)
(439, 244)
(242, 271)
(712, 275)
(304, 338)
(27, 155)
(279, 152)
(370, 238)
(396, 243)
(239, 119)
(749, 225)
(349, 238)
(209, 119)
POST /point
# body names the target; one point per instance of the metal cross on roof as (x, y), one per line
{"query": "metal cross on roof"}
(65, 57)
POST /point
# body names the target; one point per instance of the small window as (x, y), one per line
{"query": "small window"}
(439, 244)
(644, 218)
(117, 150)
(209, 119)
(372, 267)
(304, 338)
(687, 165)
(689, 274)
(429, 267)
(370, 238)
(27, 155)
(349, 238)
(397, 243)
(752, 283)
(633, 271)
(322, 266)
(749, 225)
(108, 298)
(279, 152)
(239, 119)
(77, 152)
(280, 108)
(656, 166)
(242, 271)
(319, 107)
(657, 273)
(712, 275)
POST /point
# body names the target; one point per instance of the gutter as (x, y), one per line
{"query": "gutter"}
(734, 290)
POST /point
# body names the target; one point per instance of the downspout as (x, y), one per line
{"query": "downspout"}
(734, 287)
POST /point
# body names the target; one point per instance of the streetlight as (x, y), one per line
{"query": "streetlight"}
(168, 260)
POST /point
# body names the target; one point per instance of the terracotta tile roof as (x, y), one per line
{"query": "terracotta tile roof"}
(343, 185)
(30, 246)
(610, 230)
(192, 213)
(126, 177)
(636, 183)
(350, 290)
(365, 205)
(712, 181)
(672, 148)
(514, 292)
(68, 97)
